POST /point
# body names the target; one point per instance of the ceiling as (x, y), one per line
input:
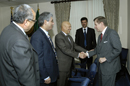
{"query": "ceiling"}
(4, 3)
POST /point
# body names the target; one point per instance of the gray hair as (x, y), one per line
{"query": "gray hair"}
(44, 16)
(22, 12)
(100, 19)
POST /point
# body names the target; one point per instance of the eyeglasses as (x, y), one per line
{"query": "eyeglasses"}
(32, 20)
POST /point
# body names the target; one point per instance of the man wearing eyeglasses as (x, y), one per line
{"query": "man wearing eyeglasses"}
(44, 47)
(18, 60)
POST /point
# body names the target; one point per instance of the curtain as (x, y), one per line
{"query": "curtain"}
(111, 9)
(62, 12)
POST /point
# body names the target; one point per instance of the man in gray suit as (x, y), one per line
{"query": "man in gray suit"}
(107, 50)
(66, 53)
(18, 59)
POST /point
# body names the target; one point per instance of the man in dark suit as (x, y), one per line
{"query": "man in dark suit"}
(65, 47)
(107, 50)
(18, 59)
(85, 37)
(44, 47)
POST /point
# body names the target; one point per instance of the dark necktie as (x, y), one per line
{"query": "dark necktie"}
(101, 37)
(68, 38)
(52, 46)
(85, 41)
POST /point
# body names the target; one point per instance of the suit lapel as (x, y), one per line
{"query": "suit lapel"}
(66, 38)
(71, 40)
(105, 35)
(46, 38)
(103, 39)
(18, 29)
(81, 32)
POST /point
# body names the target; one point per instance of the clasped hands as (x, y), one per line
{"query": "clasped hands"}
(82, 55)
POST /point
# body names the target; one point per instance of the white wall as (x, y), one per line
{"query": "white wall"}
(123, 23)
(128, 35)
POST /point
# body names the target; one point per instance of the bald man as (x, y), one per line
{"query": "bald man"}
(66, 53)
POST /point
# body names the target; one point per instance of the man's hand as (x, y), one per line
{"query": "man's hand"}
(102, 59)
(82, 55)
(91, 50)
(48, 81)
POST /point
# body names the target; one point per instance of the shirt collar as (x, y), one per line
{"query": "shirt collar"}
(20, 28)
(104, 30)
(85, 28)
(44, 31)
(64, 33)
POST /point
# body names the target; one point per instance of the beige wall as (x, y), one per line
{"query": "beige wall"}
(5, 16)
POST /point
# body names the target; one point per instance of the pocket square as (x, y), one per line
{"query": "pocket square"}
(105, 41)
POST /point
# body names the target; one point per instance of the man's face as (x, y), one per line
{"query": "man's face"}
(67, 28)
(50, 24)
(98, 26)
(84, 23)
(30, 23)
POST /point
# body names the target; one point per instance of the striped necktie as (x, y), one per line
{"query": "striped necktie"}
(52, 46)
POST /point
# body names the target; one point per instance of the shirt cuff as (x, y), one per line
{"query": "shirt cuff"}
(87, 54)
(47, 78)
(78, 56)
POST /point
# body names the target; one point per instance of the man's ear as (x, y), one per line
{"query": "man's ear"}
(102, 23)
(25, 22)
(45, 22)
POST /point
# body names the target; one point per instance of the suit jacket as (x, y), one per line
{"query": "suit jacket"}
(47, 61)
(110, 48)
(66, 51)
(18, 59)
(90, 38)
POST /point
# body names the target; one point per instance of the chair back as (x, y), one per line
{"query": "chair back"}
(123, 56)
(85, 82)
(92, 72)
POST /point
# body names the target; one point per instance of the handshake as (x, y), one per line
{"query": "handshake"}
(82, 55)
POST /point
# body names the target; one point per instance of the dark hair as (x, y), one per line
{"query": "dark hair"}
(22, 12)
(100, 19)
(44, 16)
(83, 18)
